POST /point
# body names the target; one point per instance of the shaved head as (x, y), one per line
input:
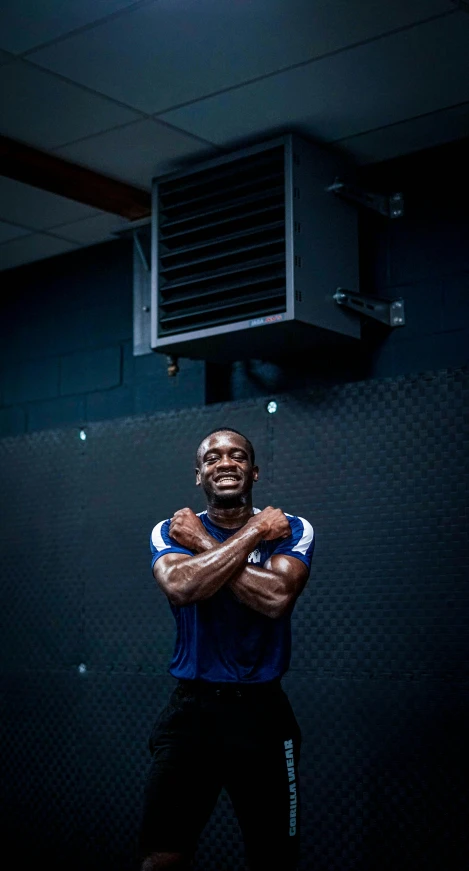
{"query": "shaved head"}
(227, 429)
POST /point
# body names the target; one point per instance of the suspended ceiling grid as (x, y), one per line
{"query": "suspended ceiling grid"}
(134, 90)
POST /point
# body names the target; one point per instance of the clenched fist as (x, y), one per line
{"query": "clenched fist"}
(274, 523)
(189, 530)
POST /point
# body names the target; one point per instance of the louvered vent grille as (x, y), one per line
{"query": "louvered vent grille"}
(221, 244)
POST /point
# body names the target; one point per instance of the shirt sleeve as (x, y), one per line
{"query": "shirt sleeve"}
(161, 542)
(300, 543)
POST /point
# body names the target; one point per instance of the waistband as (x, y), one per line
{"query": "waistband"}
(231, 690)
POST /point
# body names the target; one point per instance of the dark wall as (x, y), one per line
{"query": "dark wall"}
(66, 324)
(378, 680)
(66, 346)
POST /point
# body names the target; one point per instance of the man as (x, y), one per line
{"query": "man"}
(232, 575)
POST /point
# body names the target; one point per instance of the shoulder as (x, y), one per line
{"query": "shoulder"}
(298, 522)
(159, 533)
(302, 532)
(301, 528)
(160, 537)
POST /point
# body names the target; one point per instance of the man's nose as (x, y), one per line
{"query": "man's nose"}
(226, 461)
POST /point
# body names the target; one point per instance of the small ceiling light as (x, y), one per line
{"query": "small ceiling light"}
(83, 435)
(272, 407)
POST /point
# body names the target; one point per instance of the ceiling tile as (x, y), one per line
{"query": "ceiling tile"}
(27, 23)
(416, 134)
(35, 247)
(44, 110)
(5, 57)
(11, 231)
(31, 207)
(397, 77)
(138, 152)
(167, 53)
(91, 230)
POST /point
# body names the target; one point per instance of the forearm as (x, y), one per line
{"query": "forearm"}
(215, 564)
(260, 589)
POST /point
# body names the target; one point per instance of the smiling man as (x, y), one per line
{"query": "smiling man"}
(232, 575)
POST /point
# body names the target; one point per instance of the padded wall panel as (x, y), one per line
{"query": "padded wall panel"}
(41, 621)
(381, 470)
(41, 777)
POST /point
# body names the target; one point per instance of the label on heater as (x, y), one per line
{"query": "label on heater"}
(269, 319)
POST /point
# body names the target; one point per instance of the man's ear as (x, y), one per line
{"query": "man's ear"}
(197, 478)
(255, 473)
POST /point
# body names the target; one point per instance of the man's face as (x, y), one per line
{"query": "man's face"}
(225, 470)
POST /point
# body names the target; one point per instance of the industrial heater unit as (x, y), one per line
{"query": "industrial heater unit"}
(248, 253)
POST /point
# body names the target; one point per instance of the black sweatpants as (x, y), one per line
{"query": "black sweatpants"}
(242, 737)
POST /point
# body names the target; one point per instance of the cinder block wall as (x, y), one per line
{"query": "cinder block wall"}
(66, 323)
(66, 346)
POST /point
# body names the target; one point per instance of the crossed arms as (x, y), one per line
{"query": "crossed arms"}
(271, 590)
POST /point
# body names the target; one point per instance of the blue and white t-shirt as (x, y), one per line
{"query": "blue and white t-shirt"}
(221, 639)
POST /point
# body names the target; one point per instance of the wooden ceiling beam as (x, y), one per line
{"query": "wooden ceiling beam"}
(50, 173)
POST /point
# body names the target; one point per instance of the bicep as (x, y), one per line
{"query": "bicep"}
(291, 570)
(163, 568)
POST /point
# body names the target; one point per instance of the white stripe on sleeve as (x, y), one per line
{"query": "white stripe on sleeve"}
(157, 539)
(308, 534)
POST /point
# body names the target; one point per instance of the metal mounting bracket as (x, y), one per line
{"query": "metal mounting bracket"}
(391, 206)
(387, 311)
